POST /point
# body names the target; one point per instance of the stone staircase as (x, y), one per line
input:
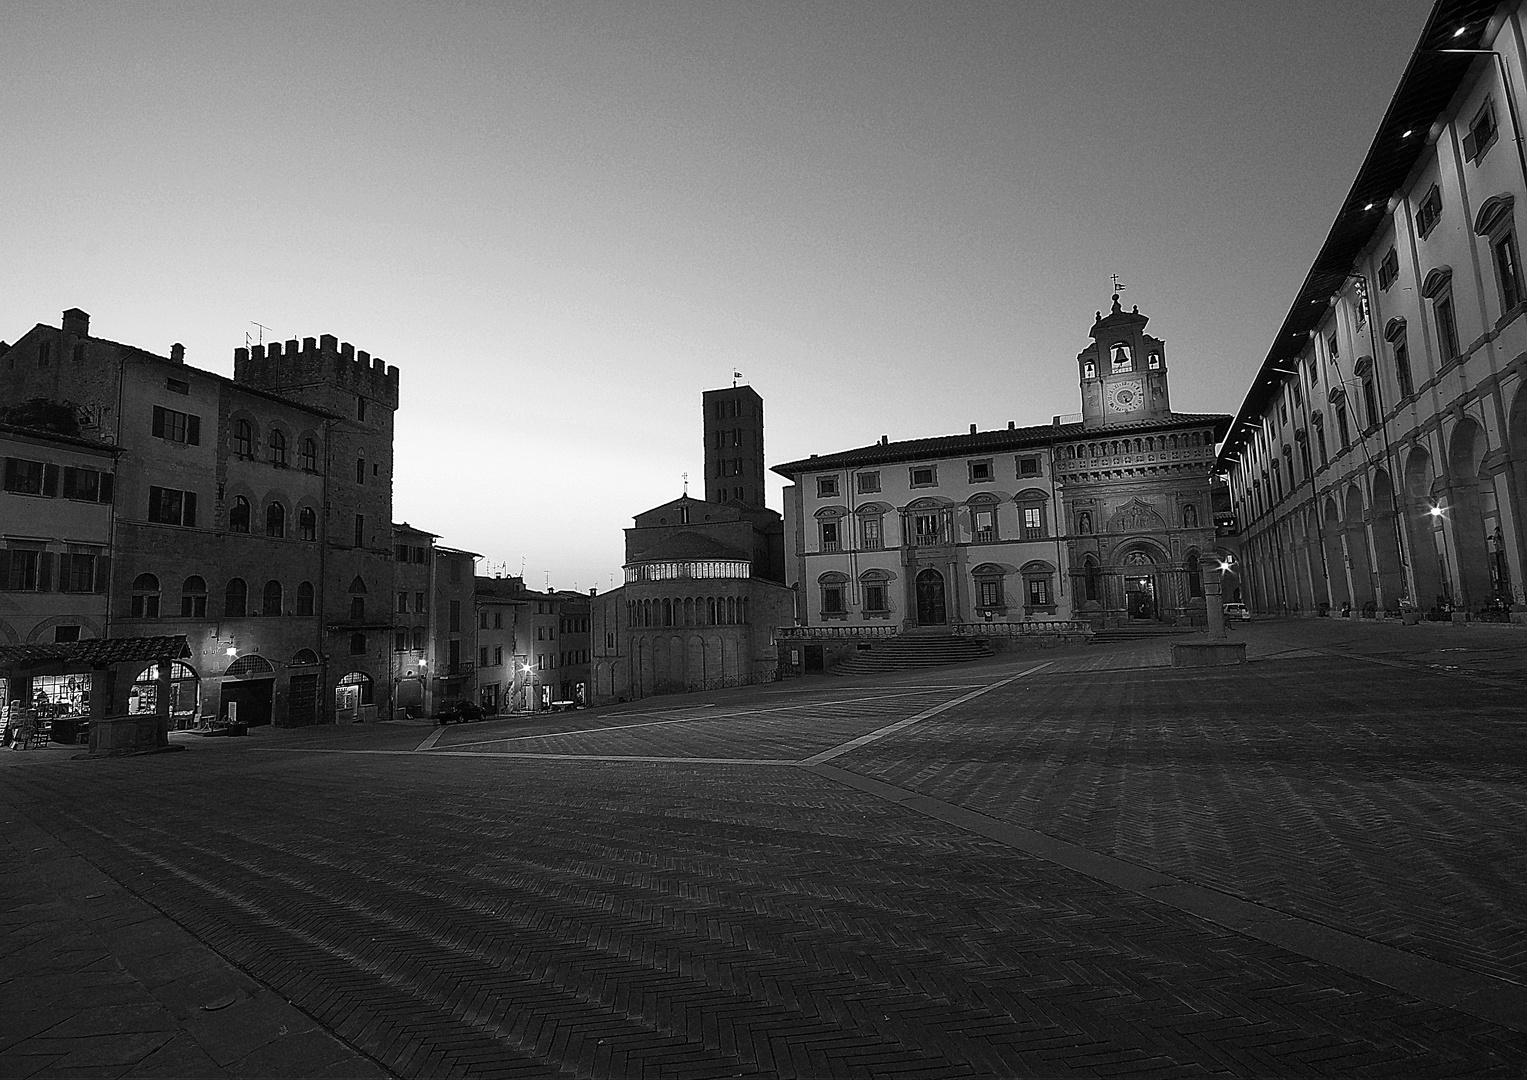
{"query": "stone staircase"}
(913, 651)
(1144, 631)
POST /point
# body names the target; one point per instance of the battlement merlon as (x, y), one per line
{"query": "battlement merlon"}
(325, 359)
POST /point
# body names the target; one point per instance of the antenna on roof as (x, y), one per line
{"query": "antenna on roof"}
(262, 327)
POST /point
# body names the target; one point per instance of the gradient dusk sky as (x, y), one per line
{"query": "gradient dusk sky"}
(563, 221)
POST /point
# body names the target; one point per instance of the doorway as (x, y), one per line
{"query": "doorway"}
(931, 610)
(1140, 596)
(248, 702)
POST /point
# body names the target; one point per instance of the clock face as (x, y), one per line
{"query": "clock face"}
(1125, 396)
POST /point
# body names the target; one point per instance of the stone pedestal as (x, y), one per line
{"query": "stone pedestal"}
(111, 736)
(1219, 649)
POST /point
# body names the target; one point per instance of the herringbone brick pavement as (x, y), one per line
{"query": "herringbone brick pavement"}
(1386, 802)
(456, 916)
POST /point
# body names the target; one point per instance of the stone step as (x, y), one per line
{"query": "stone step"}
(902, 653)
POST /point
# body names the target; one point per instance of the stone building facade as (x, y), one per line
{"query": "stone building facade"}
(251, 514)
(1103, 516)
(1378, 463)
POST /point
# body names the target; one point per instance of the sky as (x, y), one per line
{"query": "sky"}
(564, 221)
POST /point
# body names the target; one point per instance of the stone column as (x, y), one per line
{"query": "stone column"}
(163, 683)
(1214, 606)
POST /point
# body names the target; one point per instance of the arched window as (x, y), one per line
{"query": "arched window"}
(238, 515)
(243, 439)
(744, 609)
(710, 611)
(277, 443)
(193, 598)
(990, 596)
(873, 586)
(1195, 575)
(1038, 587)
(1092, 578)
(667, 612)
(272, 600)
(307, 524)
(305, 598)
(304, 658)
(145, 597)
(235, 599)
(275, 520)
(360, 470)
(309, 455)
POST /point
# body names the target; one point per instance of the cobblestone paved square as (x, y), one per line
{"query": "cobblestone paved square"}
(1068, 863)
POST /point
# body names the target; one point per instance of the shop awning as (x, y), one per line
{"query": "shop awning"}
(95, 653)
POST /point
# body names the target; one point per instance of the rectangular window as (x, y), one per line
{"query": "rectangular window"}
(1447, 327)
(400, 553)
(1389, 269)
(868, 482)
(454, 625)
(1429, 212)
(419, 602)
(177, 386)
(870, 531)
(827, 487)
(1482, 133)
(482, 656)
(1028, 465)
(421, 555)
(18, 570)
(1282, 413)
(1033, 522)
(482, 620)
(400, 641)
(498, 656)
(23, 477)
(498, 620)
(926, 529)
(991, 592)
(981, 471)
(832, 599)
(76, 573)
(874, 597)
(1039, 592)
(169, 506)
(1341, 426)
(1370, 403)
(175, 426)
(985, 526)
(402, 602)
(1402, 368)
(924, 476)
(1332, 346)
(829, 536)
(360, 530)
(82, 484)
(1508, 268)
(360, 408)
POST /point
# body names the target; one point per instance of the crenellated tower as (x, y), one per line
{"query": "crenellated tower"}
(1123, 371)
(360, 393)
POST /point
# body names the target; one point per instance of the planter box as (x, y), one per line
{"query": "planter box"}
(1410, 618)
(137, 734)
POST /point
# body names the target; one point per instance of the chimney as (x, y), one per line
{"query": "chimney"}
(885, 440)
(77, 322)
(1011, 424)
(177, 353)
(972, 429)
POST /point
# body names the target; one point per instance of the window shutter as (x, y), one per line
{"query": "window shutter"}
(50, 480)
(158, 422)
(193, 430)
(10, 474)
(155, 498)
(190, 509)
(71, 482)
(107, 480)
(5, 570)
(102, 572)
(1470, 146)
(65, 564)
(45, 572)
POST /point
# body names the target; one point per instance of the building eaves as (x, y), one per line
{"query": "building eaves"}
(52, 436)
(988, 442)
(1426, 88)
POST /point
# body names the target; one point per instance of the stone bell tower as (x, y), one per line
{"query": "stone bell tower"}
(1123, 371)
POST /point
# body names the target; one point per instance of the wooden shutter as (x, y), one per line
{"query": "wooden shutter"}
(189, 517)
(5, 570)
(50, 480)
(102, 572)
(10, 474)
(158, 422)
(107, 480)
(45, 572)
(193, 430)
(1470, 146)
(65, 564)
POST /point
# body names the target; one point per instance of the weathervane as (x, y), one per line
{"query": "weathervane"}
(686, 484)
(1118, 286)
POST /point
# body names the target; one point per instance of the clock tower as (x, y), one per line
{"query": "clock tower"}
(1123, 371)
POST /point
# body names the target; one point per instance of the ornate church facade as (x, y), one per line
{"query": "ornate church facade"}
(1102, 516)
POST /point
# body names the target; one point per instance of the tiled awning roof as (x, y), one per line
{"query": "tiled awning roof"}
(97, 652)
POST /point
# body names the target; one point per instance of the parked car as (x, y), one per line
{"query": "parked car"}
(459, 712)
(1237, 611)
